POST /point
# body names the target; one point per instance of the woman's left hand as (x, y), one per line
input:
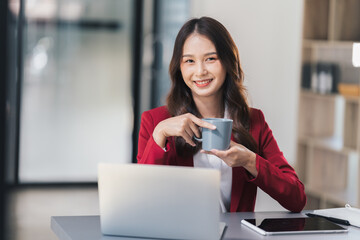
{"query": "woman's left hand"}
(237, 156)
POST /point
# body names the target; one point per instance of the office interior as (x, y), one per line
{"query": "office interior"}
(77, 74)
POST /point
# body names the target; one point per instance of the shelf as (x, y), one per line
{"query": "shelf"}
(351, 99)
(328, 146)
(351, 123)
(314, 112)
(337, 20)
(316, 12)
(311, 94)
(309, 43)
(347, 20)
(334, 144)
(329, 96)
(337, 197)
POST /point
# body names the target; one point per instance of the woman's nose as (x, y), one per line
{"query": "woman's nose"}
(201, 69)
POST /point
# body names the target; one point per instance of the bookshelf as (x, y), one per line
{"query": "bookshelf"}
(328, 146)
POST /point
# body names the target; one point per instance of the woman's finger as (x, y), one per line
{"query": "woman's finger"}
(212, 152)
(202, 123)
(195, 130)
(206, 152)
(188, 136)
(218, 153)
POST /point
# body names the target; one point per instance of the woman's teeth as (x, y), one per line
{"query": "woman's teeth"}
(204, 81)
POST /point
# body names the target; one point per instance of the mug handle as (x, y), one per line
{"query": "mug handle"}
(198, 139)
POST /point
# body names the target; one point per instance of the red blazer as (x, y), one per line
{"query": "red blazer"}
(275, 176)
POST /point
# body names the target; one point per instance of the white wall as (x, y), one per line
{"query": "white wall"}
(268, 36)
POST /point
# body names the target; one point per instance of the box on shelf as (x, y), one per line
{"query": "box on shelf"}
(349, 89)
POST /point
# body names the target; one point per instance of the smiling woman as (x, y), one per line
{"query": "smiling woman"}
(201, 68)
(207, 82)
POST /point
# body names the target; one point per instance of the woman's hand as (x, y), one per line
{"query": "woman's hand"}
(185, 126)
(237, 156)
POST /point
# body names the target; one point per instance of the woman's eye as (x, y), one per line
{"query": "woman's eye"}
(189, 61)
(211, 59)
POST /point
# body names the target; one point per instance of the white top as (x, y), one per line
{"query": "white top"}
(203, 160)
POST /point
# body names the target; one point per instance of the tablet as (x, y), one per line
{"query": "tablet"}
(303, 225)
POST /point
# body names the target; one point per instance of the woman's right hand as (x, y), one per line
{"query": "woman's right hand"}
(185, 126)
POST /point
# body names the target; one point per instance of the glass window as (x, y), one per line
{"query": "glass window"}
(76, 101)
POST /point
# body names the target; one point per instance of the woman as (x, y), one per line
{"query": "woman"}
(207, 82)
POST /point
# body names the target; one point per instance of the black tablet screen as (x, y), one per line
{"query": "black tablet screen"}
(294, 224)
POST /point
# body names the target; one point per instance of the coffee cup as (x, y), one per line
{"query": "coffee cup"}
(220, 137)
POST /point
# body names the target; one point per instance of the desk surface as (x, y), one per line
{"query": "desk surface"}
(88, 228)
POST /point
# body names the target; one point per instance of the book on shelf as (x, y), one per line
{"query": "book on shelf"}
(348, 213)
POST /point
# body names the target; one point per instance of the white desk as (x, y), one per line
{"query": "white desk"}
(88, 228)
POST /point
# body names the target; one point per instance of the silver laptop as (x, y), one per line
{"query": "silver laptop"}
(155, 201)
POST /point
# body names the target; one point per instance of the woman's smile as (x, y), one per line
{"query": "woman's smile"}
(203, 83)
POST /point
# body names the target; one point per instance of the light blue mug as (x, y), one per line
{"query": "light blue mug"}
(220, 137)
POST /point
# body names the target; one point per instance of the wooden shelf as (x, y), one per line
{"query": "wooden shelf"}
(334, 144)
(316, 18)
(351, 123)
(328, 149)
(340, 198)
(311, 94)
(351, 99)
(346, 20)
(327, 43)
(314, 110)
(332, 20)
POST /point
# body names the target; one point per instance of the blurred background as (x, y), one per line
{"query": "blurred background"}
(77, 74)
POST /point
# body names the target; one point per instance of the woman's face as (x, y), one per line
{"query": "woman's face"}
(201, 67)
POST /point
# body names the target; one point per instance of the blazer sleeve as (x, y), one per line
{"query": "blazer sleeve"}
(148, 150)
(275, 176)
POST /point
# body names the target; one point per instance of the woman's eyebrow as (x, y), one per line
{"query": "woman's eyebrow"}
(206, 54)
(187, 55)
(210, 53)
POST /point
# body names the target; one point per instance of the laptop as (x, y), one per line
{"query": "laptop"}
(156, 201)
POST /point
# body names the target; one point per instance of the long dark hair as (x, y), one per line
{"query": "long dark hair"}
(180, 100)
